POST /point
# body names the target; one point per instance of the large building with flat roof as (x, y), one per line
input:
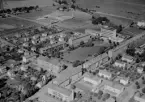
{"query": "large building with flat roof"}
(112, 88)
(60, 93)
(52, 65)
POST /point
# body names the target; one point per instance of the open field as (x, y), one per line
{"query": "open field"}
(118, 8)
(132, 31)
(12, 24)
(17, 22)
(6, 26)
(36, 14)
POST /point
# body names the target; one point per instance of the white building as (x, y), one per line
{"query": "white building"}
(113, 88)
(141, 23)
(139, 97)
(105, 74)
(127, 58)
(60, 93)
(124, 81)
(120, 64)
(93, 80)
(140, 70)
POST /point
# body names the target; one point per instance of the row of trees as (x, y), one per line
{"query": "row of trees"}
(100, 20)
(19, 9)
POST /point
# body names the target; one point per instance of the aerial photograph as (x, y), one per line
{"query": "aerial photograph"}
(72, 50)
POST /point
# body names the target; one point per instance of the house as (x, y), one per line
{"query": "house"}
(140, 70)
(139, 97)
(139, 51)
(113, 88)
(124, 80)
(53, 65)
(60, 93)
(127, 58)
(3, 69)
(28, 57)
(92, 80)
(141, 23)
(110, 100)
(105, 74)
(120, 64)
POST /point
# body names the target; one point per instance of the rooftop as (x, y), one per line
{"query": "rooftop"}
(105, 72)
(120, 62)
(66, 74)
(53, 61)
(95, 78)
(61, 90)
(127, 57)
(114, 85)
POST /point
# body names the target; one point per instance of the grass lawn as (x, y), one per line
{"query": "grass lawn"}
(81, 53)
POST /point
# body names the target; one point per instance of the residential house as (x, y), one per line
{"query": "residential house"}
(120, 64)
(141, 23)
(113, 88)
(28, 57)
(124, 80)
(3, 69)
(127, 58)
(105, 74)
(92, 80)
(140, 69)
(139, 97)
(60, 93)
(139, 51)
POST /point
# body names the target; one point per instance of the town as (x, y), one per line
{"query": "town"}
(67, 53)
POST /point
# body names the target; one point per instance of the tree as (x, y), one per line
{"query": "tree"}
(119, 29)
(73, 87)
(143, 90)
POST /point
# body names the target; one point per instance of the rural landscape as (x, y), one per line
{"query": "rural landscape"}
(72, 51)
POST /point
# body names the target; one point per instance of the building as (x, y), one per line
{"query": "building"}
(139, 97)
(124, 80)
(105, 74)
(28, 57)
(139, 51)
(60, 93)
(120, 64)
(52, 65)
(108, 32)
(76, 39)
(141, 23)
(3, 69)
(127, 58)
(92, 80)
(113, 88)
(110, 100)
(140, 70)
(92, 32)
